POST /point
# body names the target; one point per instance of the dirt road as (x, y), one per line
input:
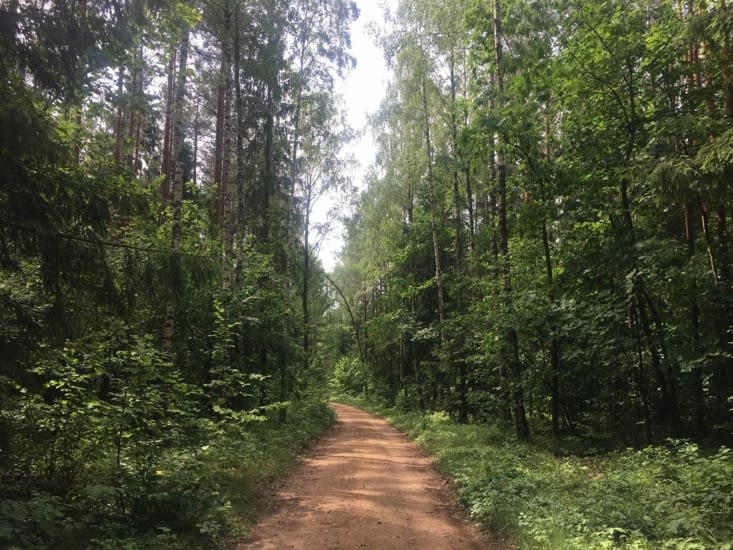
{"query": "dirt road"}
(363, 485)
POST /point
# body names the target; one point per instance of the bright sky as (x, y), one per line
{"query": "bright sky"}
(362, 90)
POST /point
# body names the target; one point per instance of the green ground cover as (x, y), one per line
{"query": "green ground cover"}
(203, 495)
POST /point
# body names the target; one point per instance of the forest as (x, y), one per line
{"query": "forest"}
(159, 162)
(544, 244)
(545, 235)
(540, 255)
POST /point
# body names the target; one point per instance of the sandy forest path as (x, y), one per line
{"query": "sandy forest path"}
(363, 485)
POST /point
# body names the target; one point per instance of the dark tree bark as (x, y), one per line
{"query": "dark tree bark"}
(515, 365)
(698, 390)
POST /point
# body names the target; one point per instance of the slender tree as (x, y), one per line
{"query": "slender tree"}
(177, 190)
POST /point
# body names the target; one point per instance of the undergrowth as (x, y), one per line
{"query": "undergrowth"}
(670, 496)
(200, 496)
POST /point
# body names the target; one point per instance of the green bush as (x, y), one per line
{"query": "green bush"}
(164, 495)
(348, 377)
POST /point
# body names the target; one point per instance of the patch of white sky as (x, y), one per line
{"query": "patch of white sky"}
(362, 90)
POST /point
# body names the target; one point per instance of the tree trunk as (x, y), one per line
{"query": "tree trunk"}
(722, 223)
(219, 136)
(697, 379)
(653, 330)
(555, 358)
(268, 183)
(642, 378)
(458, 245)
(555, 364)
(227, 183)
(306, 279)
(433, 216)
(119, 124)
(240, 178)
(166, 168)
(177, 192)
(471, 213)
(136, 110)
(724, 378)
(196, 132)
(515, 365)
(727, 80)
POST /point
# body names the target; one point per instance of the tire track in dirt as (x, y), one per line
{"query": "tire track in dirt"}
(363, 485)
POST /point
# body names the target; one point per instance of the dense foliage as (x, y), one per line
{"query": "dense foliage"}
(544, 238)
(157, 291)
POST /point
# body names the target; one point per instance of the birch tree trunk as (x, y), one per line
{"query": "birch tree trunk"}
(433, 216)
(227, 183)
(177, 192)
(170, 99)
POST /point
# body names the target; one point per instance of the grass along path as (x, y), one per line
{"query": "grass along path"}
(672, 496)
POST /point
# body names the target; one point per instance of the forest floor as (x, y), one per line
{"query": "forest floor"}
(363, 485)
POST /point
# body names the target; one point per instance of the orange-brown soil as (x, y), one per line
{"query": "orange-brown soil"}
(363, 485)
